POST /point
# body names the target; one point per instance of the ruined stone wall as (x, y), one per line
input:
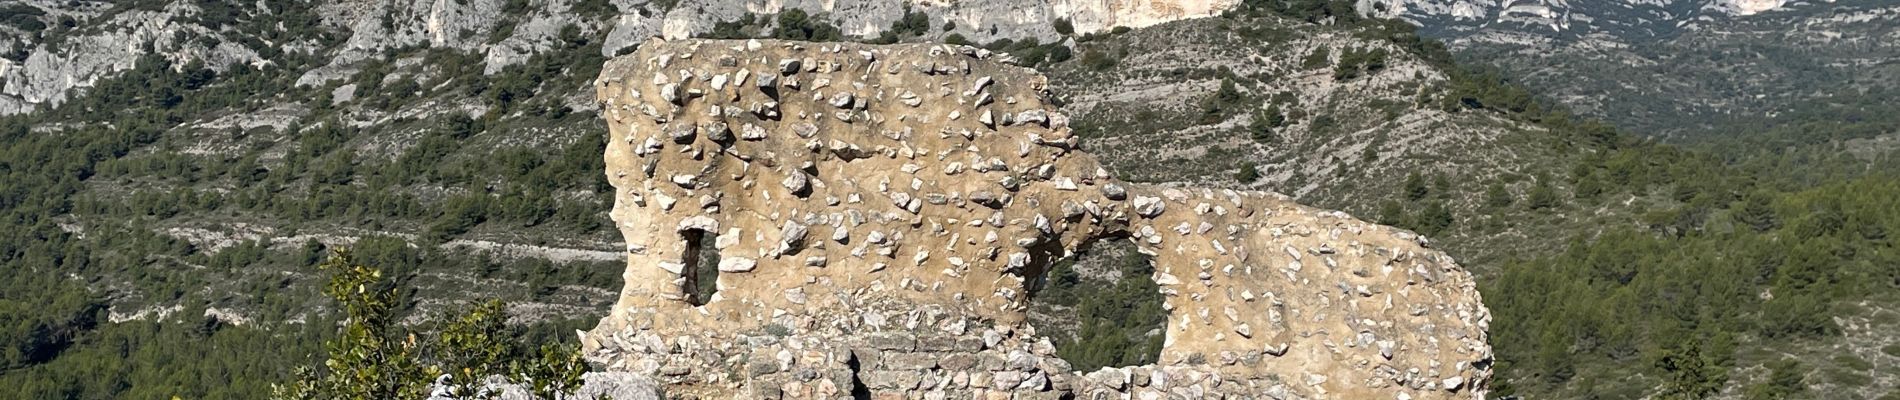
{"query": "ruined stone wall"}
(880, 214)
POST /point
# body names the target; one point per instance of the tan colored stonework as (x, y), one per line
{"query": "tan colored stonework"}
(879, 209)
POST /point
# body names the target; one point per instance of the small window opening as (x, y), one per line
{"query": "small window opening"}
(702, 267)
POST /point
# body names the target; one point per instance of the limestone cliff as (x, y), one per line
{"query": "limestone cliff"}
(982, 20)
(104, 41)
(882, 214)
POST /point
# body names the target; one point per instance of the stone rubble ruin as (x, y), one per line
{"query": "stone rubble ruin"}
(876, 240)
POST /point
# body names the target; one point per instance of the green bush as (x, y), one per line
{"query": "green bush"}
(372, 358)
(1496, 196)
(1063, 27)
(1220, 104)
(913, 23)
(745, 27)
(1247, 174)
(1784, 380)
(1542, 196)
(1263, 126)
(22, 16)
(795, 24)
(1356, 62)
(1319, 58)
(955, 38)
(1098, 60)
(1059, 53)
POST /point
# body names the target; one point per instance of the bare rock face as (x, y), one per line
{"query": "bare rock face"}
(882, 214)
(980, 20)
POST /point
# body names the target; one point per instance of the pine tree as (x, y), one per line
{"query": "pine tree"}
(1415, 187)
(1757, 213)
(1247, 174)
(1541, 196)
(1496, 196)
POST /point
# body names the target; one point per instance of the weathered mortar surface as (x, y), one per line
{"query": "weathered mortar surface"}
(882, 214)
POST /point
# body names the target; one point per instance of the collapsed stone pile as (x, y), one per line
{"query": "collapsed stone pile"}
(881, 215)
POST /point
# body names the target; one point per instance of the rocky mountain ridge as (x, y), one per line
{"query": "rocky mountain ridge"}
(1680, 69)
(1568, 19)
(77, 43)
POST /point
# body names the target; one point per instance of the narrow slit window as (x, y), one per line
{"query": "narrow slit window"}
(702, 267)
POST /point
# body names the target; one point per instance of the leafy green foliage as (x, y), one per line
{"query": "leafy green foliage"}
(471, 341)
(371, 359)
(554, 370)
(367, 360)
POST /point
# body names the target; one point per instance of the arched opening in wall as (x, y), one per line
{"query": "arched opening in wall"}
(1101, 307)
(702, 267)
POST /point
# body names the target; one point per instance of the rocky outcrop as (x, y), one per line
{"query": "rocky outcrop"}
(48, 74)
(1564, 19)
(882, 216)
(977, 19)
(112, 39)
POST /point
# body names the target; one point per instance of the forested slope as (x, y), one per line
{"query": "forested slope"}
(161, 232)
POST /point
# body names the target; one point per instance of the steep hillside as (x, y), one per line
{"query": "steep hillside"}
(173, 170)
(1340, 116)
(1565, 204)
(1684, 69)
(1568, 19)
(51, 48)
